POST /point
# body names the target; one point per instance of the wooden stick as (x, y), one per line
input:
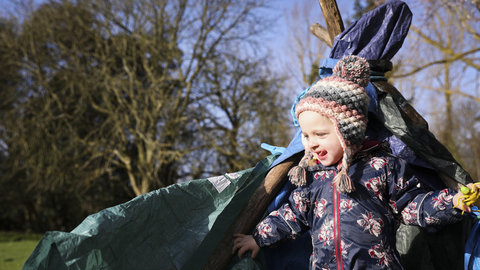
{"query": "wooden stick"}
(321, 33)
(332, 16)
(251, 213)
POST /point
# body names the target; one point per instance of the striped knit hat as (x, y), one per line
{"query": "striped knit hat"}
(343, 99)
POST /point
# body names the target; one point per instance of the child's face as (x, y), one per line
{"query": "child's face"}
(320, 137)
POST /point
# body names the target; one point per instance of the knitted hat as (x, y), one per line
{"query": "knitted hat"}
(343, 99)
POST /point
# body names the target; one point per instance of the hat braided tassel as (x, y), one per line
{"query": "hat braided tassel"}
(298, 174)
(342, 181)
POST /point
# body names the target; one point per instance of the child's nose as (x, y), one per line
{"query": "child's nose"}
(313, 143)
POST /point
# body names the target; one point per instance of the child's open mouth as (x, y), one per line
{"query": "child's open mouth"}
(322, 154)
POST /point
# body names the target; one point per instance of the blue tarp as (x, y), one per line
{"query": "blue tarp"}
(472, 248)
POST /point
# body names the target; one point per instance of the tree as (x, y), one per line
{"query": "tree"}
(116, 96)
(46, 165)
(463, 131)
(458, 18)
(443, 60)
(302, 50)
(467, 130)
(368, 5)
(244, 109)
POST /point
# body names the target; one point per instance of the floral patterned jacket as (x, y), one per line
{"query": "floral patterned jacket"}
(357, 230)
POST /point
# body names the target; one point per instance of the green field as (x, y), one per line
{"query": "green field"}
(15, 249)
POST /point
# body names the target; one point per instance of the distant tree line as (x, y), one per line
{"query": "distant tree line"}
(101, 101)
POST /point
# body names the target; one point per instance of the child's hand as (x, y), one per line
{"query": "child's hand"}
(245, 243)
(458, 203)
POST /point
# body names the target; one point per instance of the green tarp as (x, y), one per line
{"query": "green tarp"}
(171, 228)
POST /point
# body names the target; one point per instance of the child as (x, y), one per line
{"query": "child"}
(351, 193)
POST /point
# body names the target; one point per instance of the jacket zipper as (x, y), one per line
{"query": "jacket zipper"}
(336, 229)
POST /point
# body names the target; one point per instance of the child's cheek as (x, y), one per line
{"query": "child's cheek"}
(304, 143)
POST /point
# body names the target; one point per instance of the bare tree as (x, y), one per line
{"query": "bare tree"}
(360, 8)
(303, 51)
(115, 96)
(458, 18)
(467, 130)
(245, 107)
(442, 60)
(196, 33)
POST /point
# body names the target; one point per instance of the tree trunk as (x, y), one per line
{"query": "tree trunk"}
(251, 213)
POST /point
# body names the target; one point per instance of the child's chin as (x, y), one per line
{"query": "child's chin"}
(326, 163)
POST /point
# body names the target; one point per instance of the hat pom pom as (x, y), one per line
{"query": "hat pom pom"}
(354, 69)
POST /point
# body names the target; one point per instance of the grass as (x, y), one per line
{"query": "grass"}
(15, 248)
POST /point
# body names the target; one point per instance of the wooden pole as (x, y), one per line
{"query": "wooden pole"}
(251, 213)
(333, 19)
(263, 196)
(321, 33)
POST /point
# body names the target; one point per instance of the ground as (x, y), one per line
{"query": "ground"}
(15, 248)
